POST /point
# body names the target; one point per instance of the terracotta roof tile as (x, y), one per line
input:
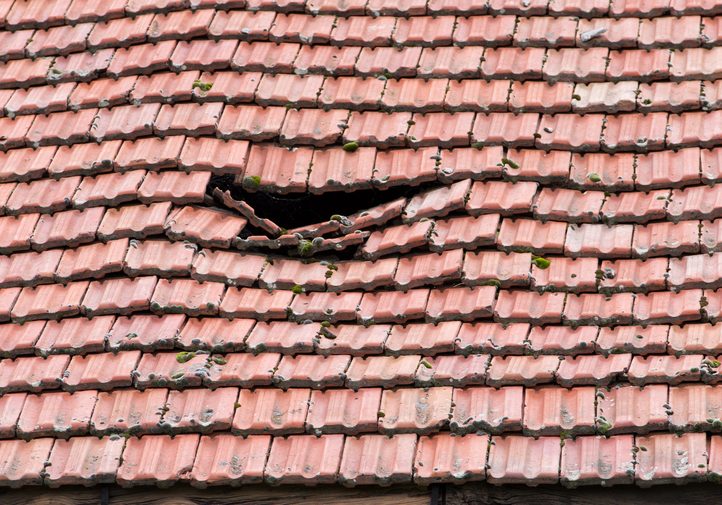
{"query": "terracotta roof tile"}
(84, 460)
(17, 339)
(562, 340)
(174, 459)
(352, 339)
(660, 458)
(693, 338)
(199, 409)
(552, 410)
(100, 371)
(121, 32)
(515, 459)
(29, 268)
(23, 463)
(617, 33)
(590, 370)
(598, 460)
(665, 369)
(304, 458)
(75, 335)
(526, 234)
(326, 60)
(415, 410)
(271, 410)
(522, 306)
(393, 458)
(566, 274)
(475, 95)
(215, 455)
(344, 411)
(49, 301)
(634, 275)
(121, 296)
(522, 370)
(58, 415)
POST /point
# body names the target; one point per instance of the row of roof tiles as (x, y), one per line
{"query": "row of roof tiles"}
(444, 30)
(301, 127)
(565, 64)
(152, 333)
(32, 14)
(76, 227)
(127, 295)
(541, 411)
(334, 168)
(366, 93)
(507, 198)
(107, 371)
(369, 459)
(179, 259)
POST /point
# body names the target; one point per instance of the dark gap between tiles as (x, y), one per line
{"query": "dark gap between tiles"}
(297, 210)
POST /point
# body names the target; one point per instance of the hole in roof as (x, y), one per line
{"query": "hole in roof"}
(300, 209)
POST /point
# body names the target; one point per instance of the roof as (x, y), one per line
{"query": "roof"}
(525, 290)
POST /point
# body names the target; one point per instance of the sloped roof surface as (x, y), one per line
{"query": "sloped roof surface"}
(539, 305)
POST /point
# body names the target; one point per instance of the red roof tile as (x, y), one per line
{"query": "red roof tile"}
(157, 459)
(302, 458)
(375, 459)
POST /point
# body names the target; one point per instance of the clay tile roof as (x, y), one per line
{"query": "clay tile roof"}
(360, 242)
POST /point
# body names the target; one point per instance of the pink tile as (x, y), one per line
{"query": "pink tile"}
(317, 372)
(411, 410)
(384, 371)
(59, 415)
(598, 460)
(500, 197)
(523, 460)
(599, 308)
(629, 409)
(344, 411)
(201, 410)
(694, 407)
(145, 332)
(593, 369)
(302, 459)
(448, 458)
(526, 306)
(101, 371)
(524, 234)
(157, 459)
(23, 463)
(694, 338)
(121, 296)
(554, 410)
(635, 339)
(271, 411)
(84, 460)
(393, 306)
(492, 338)
(667, 458)
(424, 339)
(666, 369)
(32, 374)
(378, 460)
(227, 459)
(487, 409)
(522, 370)
(74, 335)
(668, 307)
(128, 411)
